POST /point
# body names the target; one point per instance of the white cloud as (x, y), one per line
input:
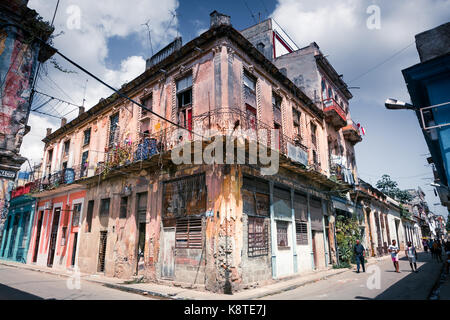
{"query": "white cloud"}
(99, 21)
(340, 29)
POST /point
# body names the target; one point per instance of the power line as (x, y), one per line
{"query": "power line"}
(61, 100)
(251, 13)
(123, 95)
(381, 63)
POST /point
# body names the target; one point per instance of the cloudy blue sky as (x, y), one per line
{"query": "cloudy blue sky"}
(112, 41)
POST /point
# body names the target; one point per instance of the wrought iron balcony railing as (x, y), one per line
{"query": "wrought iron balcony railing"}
(230, 122)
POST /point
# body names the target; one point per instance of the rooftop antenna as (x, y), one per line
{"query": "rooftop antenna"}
(84, 94)
(149, 36)
(174, 15)
(251, 13)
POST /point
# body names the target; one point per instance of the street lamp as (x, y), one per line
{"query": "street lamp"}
(394, 104)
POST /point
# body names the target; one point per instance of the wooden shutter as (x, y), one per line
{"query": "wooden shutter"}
(315, 207)
(189, 233)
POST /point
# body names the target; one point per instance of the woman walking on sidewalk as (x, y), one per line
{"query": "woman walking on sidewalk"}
(393, 249)
(411, 253)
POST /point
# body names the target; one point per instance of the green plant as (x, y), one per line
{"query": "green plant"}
(389, 187)
(347, 232)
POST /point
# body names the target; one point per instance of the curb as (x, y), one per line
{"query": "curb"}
(174, 296)
(435, 292)
(141, 291)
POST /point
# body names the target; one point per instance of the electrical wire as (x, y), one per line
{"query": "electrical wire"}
(381, 63)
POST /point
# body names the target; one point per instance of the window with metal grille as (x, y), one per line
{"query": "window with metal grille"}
(113, 128)
(89, 214)
(282, 234)
(301, 232)
(76, 214)
(185, 196)
(189, 233)
(258, 237)
(87, 136)
(123, 207)
(102, 251)
(104, 207)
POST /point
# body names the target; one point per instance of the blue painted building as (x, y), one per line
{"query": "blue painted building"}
(428, 84)
(17, 231)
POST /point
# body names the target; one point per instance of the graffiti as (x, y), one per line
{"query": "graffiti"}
(17, 60)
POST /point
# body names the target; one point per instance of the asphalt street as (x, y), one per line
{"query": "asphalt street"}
(381, 283)
(21, 284)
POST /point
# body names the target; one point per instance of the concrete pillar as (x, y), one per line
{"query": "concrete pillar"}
(8, 242)
(5, 232)
(273, 232)
(28, 232)
(325, 239)
(310, 239)
(294, 238)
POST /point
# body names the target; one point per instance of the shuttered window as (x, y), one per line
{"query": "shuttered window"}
(300, 207)
(315, 207)
(258, 237)
(282, 203)
(189, 233)
(301, 232)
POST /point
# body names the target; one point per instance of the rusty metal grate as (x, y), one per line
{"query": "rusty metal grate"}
(189, 233)
(301, 232)
(102, 251)
(258, 237)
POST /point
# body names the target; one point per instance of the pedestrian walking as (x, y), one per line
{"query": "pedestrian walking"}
(393, 249)
(438, 251)
(411, 253)
(359, 252)
(425, 245)
(447, 254)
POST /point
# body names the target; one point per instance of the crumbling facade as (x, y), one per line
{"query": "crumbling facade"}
(22, 47)
(126, 193)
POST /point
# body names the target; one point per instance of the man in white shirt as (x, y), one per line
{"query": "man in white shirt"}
(393, 249)
(411, 253)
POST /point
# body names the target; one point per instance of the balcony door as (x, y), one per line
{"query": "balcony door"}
(53, 237)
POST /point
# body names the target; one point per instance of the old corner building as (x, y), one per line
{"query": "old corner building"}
(112, 201)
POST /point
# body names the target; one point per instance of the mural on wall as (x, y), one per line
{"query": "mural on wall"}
(5, 188)
(17, 60)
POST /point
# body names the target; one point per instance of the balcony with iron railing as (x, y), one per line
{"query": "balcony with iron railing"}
(55, 179)
(228, 122)
(352, 132)
(334, 113)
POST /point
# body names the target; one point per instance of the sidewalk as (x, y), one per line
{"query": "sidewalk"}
(180, 293)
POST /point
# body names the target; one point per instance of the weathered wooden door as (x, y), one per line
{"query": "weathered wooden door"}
(314, 249)
(53, 237)
(38, 236)
(168, 253)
